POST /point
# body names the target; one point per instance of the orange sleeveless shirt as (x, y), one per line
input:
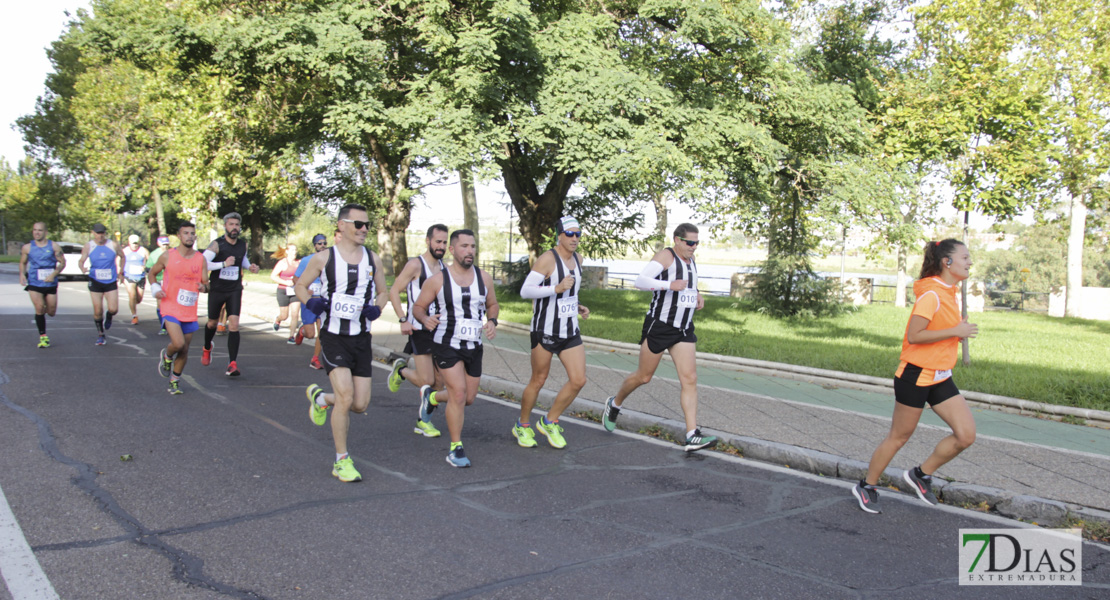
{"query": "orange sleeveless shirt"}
(182, 278)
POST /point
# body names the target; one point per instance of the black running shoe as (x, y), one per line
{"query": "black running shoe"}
(922, 485)
(868, 498)
(610, 414)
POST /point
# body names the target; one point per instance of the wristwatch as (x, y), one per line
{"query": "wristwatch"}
(403, 320)
(494, 321)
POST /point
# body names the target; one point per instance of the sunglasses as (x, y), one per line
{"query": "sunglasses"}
(690, 243)
(358, 224)
(576, 234)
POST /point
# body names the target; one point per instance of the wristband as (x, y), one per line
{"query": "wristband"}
(155, 287)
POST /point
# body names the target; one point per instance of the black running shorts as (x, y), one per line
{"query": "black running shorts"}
(102, 288)
(420, 343)
(218, 300)
(353, 352)
(907, 392)
(555, 345)
(446, 357)
(661, 336)
(45, 291)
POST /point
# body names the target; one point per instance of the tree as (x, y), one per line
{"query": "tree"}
(1037, 75)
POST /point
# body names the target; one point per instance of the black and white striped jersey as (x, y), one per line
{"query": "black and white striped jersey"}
(462, 312)
(676, 308)
(347, 289)
(557, 316)
(413, 291)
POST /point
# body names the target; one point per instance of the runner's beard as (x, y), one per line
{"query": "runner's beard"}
(233, 234)
(467, 261)
(437, 254)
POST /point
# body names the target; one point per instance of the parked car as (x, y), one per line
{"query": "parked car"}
(72, 253)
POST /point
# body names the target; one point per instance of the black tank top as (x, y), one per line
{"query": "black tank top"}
(225, 279)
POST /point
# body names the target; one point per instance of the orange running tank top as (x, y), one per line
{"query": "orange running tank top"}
(182, 278)
(936, 301)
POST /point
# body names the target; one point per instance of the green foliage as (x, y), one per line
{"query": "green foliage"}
(788, 287)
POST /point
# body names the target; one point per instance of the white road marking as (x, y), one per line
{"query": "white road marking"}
(18, 565)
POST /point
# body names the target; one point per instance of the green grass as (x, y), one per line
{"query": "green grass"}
(9, 258)
(1023, 355)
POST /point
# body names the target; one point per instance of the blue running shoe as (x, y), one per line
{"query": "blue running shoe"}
(457, 457)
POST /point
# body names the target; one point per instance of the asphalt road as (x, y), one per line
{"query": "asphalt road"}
(229, 494)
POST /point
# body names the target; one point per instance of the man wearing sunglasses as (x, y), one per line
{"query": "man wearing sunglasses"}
(228, 256)
(425, 377)
(672, 277)
(553, 286)
(352, 295)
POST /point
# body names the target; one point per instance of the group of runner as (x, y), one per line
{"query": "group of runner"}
(451, 307)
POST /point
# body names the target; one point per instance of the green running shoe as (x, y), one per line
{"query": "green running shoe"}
(698, 441)
(44, 341)
(344, 469)
(318, 414)
(525, 437)
(174, 389)
(426, 429)
(395, 377)
(553, 432)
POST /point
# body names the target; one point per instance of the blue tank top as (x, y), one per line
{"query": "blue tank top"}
(41, 260)
(102, 261)
(134, 264)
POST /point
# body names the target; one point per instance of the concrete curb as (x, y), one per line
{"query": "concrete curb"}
(1042, 511)
(1092, 417)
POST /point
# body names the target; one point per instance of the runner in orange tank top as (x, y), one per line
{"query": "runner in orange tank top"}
(186, 275)
(924, 374)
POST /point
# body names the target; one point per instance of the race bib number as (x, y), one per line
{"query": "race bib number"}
(44, 273)
(229, 273)
(102, 274)
(135, 270)
(316, 288)
(187, 298)
(568, 307)
(942, 375)
(468, 330)
(345, 306)
(688, 299)
(289, 291)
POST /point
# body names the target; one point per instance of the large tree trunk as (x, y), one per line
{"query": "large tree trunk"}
(159, 212)
(660, 202)
(538, 211)
(1077, 227)
(395, 184)
(256, 251)
(470, 205)
(900, 289)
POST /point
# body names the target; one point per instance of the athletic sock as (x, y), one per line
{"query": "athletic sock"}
(108, 320)
(432, 399)
(520, 423)
(99, 325)
(339, 457)
(176, 376)
(158, 312)
(40, 321)
(232, 345)
(690, 434)
(209, 333)
(456, 445)
(321, 401)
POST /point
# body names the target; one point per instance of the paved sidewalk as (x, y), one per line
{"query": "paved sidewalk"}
(1022, 467)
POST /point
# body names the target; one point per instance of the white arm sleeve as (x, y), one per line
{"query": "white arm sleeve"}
(209, 256)
(647, 280)
(246, 262)
(531, 288)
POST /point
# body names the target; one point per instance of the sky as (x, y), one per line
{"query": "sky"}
(26, 30)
